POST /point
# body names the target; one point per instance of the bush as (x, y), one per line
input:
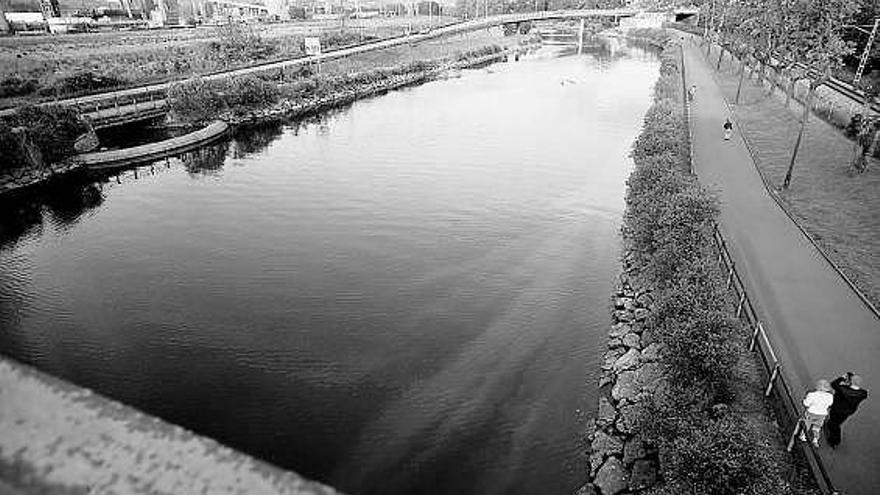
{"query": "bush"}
(702, 351)
(237, 42)
(195, 100)
(16, 86)
(724, 456)
(668, 228)
(249, 92)
(52, 130)
(198, 100)
(82, 82)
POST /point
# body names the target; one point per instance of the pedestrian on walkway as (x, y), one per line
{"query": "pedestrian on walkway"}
(692, 91)
(728, 129)
(848, 394)
(817, 403)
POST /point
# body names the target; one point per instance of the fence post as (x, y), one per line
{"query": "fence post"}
(754, 336)
(772, 379)
(742, 300)
(794, 432)
(730, 279)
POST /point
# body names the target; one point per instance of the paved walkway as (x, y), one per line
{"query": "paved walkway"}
(817, 324)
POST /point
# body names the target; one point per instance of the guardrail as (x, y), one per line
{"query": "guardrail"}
(687, 98)
(788, 409)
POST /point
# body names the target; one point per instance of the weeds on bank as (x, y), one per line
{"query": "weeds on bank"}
(198, 100)
(38, 135)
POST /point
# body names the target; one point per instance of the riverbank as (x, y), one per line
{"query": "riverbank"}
(42, 68)
(250, 100)
(349, 88)
(57, 438)
(679, 388)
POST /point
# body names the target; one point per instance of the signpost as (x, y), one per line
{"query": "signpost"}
(313, 46)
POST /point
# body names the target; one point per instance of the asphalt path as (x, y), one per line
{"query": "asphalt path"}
(816, 322)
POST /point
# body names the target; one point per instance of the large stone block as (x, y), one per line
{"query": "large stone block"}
(611, 478)
(606, 444)
(628, 361)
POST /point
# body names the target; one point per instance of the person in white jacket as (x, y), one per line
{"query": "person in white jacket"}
(817, 403)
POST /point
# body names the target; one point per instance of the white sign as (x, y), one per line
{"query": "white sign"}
(313, 46)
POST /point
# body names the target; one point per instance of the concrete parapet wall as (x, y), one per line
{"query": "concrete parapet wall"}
(58, 438)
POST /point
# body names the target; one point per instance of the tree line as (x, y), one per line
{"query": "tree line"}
(809, 41)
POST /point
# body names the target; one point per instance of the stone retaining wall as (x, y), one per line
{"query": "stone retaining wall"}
(620, 462)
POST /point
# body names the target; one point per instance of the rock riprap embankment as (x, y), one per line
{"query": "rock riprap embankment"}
(620, 461)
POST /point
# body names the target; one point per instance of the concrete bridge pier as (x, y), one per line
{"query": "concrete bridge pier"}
(581, 36)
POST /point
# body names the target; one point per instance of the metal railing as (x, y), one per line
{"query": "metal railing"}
(788, 409)
(686, 111)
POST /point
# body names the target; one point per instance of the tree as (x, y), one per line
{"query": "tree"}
(4, 24)
(738, 31)
(866, 131)
(816, 40)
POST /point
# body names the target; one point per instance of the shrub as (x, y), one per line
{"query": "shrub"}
(724, 456)
(702, 351)
(52, 130)
(195, 100)
(82, 82)
(683, 235)
(237, 42)
(668, 228)
(338, 39)
(249, 92)
(16, 86)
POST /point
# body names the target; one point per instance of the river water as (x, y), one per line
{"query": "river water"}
(407, 295)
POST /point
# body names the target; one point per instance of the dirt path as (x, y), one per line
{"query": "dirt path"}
(818, 325)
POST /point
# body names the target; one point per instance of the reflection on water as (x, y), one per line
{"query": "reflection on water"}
(404, 296)
(60, 205)
(252, 140)
(207, 160)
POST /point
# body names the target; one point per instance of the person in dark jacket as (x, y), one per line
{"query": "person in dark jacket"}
(848, 394)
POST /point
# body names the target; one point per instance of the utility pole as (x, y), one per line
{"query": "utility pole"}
(864, 60)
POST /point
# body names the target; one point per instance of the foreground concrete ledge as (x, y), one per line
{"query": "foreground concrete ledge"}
(58, 438)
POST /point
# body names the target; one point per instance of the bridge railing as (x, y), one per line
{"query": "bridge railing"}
(788, 409)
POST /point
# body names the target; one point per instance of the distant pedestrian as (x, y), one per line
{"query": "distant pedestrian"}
(817, 403)
(728, 129)
(848, 394)
(692, 92)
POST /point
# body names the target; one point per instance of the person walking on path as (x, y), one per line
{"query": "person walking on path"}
(692, 91)
(848, 394)
(728, 129)
(817, 403)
